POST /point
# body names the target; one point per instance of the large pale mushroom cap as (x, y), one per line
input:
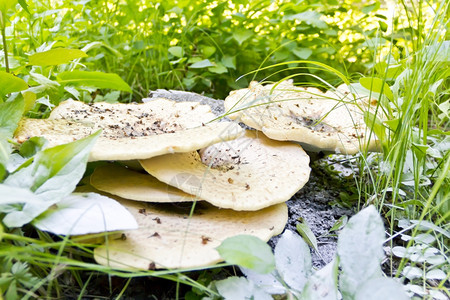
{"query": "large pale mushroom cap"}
(170, 239)
(248, 173)
(332, 121)
(131, 131)
(129, 184)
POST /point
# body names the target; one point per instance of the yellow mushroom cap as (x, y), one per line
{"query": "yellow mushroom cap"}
(132, 185)
(332, 121)
(131, 131)
(248, 173)
(172, 239)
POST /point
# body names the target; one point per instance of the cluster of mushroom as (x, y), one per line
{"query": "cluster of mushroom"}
(236, 180)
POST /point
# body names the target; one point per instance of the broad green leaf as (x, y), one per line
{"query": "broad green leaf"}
(201, 64)
(381, 288)
(218, 69)
(10, 84)
(94, 79)
(339, 224)
(176, 51)
(16, 195)
(412, 272)
(249, 252)
(10, 114)
(207, 51)
(302, 53)
(52, 175)
(55, 57)
(322, 284)
(241, 35)
(229, 61)
(437, 274)
(309, 17)
(267, 282)
(94, 45)
(425, 225)
(32, 146)
(234, 288)
(360, 250)
(5, 5)
(388, 71)
(373, 123)
(307, 235)
(377, 85)
(371, 7)
(84, 213)
(24, 5)
(29, 99)
(293, 260)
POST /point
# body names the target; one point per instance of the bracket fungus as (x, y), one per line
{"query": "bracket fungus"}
(170, 239)
(332, 121)
(131, 131)
(129, 184)
(248, 173)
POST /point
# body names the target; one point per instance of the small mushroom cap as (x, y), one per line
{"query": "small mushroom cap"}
(59, 132)
(170, 239)
(332, 121)
(248, 173)
(129, 184)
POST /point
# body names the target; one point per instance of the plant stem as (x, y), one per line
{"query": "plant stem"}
(5, 47)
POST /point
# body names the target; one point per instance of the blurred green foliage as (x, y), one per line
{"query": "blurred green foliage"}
(202, 46)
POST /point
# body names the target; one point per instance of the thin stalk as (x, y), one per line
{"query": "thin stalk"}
(5, 46)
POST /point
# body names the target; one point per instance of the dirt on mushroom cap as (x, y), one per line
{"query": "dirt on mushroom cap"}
(248, 173)
(132, 185)
(131, 131)
(170, 239)
(332, 121)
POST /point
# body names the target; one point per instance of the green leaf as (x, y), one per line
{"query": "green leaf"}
(84, 213)
(24, 5)
(229, 61)
(293, 260)
(249, 252)
(176, 51)
(5, 5)
(10, 114)
(377, 85)
(241, 35)
(234, 288)
(302, 53)
(16, 195)
(208, 50)
(371, 7)
(54, 57)
(94, 79)
(267, 282)
(360, 250)
(53, 174)
(307, 235)
(339, 223)
(322, 284)
(32, 146)
(10, 84)
(218, 69)
(381, 288)
(201, 64)
(309, 17)
(373, 123)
